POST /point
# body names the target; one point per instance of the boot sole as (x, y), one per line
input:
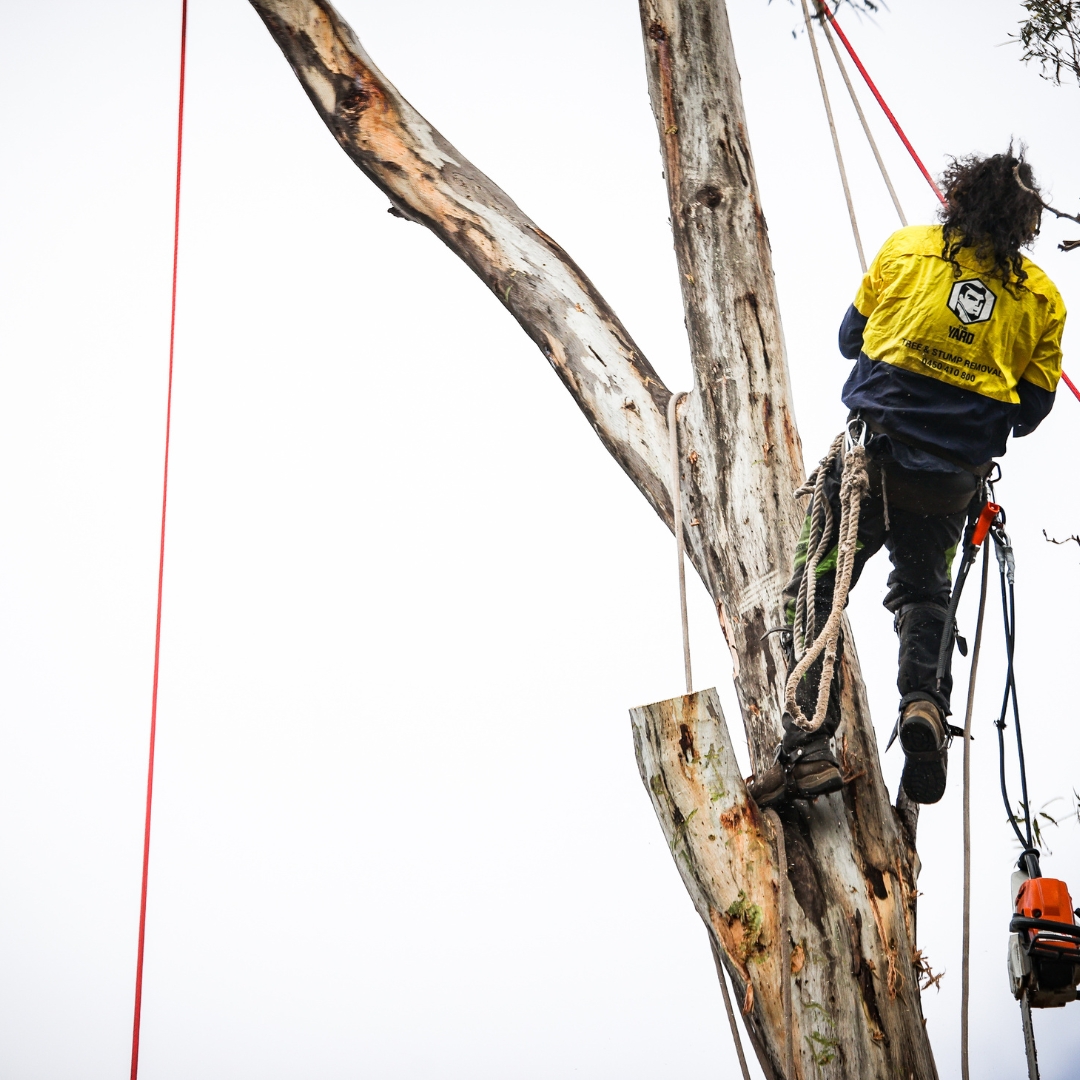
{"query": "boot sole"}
(925, 762)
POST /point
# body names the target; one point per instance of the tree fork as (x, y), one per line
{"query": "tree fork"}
(856, 1010)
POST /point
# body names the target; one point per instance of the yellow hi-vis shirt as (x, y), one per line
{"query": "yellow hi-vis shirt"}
(969, 331)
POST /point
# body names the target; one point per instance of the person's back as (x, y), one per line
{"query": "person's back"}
(956, 339)
(991, 349)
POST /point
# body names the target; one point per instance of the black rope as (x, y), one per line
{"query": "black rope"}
(1029, 857)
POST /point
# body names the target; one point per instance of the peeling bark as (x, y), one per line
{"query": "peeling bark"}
(851, 862)
(855, 1010)
(851, 866)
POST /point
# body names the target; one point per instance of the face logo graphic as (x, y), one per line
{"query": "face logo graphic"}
(971, 302)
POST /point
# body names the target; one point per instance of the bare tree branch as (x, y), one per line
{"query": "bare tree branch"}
(1065, 245)
(1068, 539)
(430, 182)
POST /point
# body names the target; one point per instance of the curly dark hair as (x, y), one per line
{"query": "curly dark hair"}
(988, 211)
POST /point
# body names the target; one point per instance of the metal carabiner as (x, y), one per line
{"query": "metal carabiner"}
(850, 440)
(1004, 550)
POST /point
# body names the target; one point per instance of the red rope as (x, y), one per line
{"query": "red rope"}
(1071, 385)
(136, 1026)
(903, 138)
(881, 101)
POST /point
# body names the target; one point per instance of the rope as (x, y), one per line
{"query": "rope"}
(831, 18)
(137, 1022)
(821, 521)
(862, 119)
(785, 944)
(885, 108)
(965, 973)
(835, 140)
(731, 1015)
(854, 485)
(680, 550)
(1069, 383)
(680, 543)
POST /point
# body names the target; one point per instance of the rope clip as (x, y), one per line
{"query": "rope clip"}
(852, 440)
(1006, 559)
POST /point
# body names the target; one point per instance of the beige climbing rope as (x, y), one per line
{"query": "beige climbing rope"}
(677, 524)
(854, 485)
(862, 119)
(680, 550)
(835, 138)
(965, 970)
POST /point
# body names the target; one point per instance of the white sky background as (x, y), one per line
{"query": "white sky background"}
(399, 831)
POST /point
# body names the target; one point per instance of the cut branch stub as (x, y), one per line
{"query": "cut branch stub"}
(855, 999)
(720, 844)
(430, 182)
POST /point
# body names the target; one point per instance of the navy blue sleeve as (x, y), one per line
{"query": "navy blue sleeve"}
(1035, 406)
(851, 332)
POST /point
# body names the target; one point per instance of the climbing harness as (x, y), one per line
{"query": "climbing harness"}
(137, 1021)
(680, 551)
(854, 486)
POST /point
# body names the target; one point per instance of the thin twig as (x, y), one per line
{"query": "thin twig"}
(1065, 245)
(1075, 539)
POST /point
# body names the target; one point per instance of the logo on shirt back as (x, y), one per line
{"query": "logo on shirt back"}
(971, 301)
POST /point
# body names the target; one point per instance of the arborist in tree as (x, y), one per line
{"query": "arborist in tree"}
(956, 338)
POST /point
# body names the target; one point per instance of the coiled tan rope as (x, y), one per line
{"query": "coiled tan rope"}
(854, 485)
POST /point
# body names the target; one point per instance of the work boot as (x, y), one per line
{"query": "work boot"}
(925, 740)
(805, 773)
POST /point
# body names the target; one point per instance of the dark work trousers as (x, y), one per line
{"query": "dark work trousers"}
(927, 512)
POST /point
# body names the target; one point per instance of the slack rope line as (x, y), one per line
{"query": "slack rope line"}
(137, 1022)
(965, 970)
(677, 524)
(865, 126)
(680, 550)
(830, 19)
(835, 139)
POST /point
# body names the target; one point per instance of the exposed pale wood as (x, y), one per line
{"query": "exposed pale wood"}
(852, 868)
(428, 181)
(727, 860)
(851, 863)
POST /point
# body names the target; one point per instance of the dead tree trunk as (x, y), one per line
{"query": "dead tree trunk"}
(855, 997)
